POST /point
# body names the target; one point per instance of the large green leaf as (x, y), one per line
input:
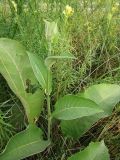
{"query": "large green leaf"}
(106, 95)
(95, 151)
(41, 72)
(106, 101)
(16, 69)
(24, 144)
(77, 127)
(72, 107)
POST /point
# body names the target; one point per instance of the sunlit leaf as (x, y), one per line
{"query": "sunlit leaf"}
(106, 95)
(72, 107)
(16, 69)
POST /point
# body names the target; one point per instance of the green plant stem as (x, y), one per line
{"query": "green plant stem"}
(48, 99)
(48, 107)
(49, 116)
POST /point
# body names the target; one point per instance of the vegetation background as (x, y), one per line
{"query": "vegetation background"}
(92, 34)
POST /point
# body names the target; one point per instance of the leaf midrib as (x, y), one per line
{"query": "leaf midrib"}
(58, 112)
(39, 72)
(9, 75)
(16, 69)
(23, 147)
(31, 57)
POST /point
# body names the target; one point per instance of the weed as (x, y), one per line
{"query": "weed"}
(91, 34)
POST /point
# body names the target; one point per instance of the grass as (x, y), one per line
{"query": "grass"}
(6, 129)
(92, 34)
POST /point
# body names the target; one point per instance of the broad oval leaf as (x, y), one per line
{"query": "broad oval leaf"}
(16, 69)
(95, 151)
(41, 72)
(25, 144)
(106, 95)
(72, 107)
(77, 127)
